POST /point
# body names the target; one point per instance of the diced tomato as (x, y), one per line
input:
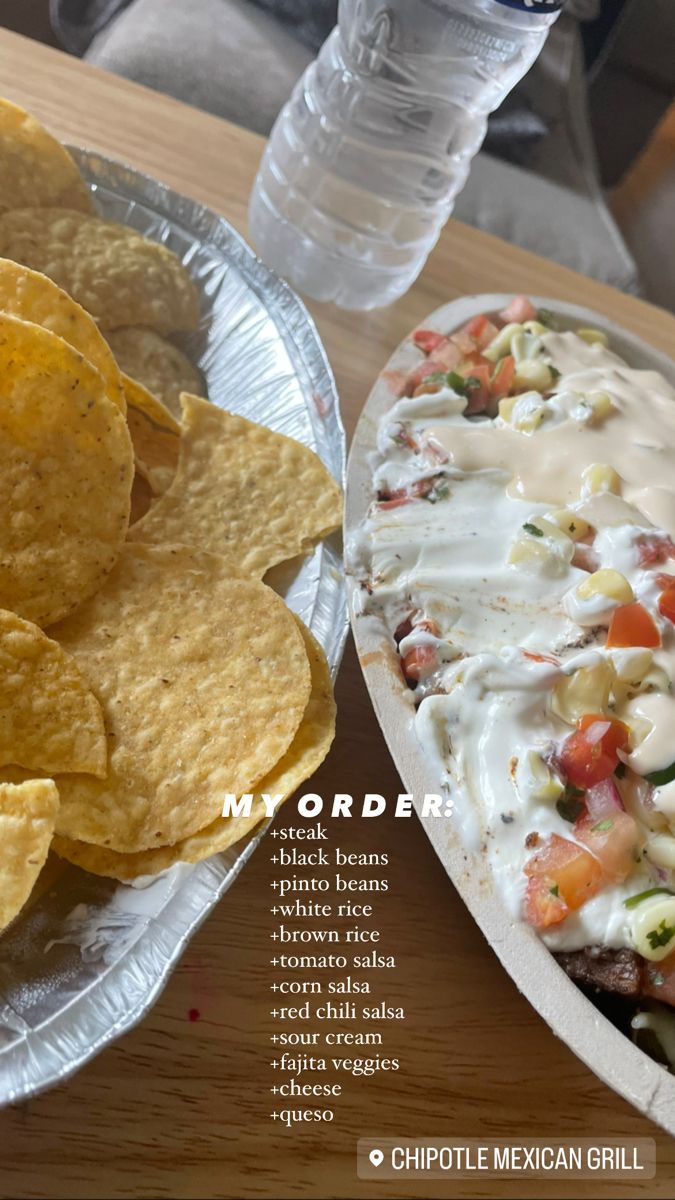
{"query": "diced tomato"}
(463, 342)
(667, 604)
(427, 339)
(589, 755)
(481, 329)
(585, 557)
(448, 354)
(613, 841)
(654, 548)
(466, 364)
(561, 877)
(418, 661)
(543, 905)
(475, 326)
(422, 371)
(503, 376)
(631, 625)
(446, 357)
(489, 332)
(615, 737)
(478, 394)
(520, 309)
(608, 831)
(660, 980)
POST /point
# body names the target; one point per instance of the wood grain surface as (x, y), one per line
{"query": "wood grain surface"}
(179, 1108)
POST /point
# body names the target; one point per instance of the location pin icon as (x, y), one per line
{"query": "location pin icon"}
(376, 1157)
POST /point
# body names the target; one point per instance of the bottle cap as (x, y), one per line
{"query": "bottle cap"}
(534, 6)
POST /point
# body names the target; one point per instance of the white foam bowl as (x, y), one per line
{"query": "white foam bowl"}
(572, 1017)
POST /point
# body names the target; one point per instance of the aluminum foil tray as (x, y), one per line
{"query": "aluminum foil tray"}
(88, 957)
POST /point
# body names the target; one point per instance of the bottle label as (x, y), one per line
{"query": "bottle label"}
(537, 6)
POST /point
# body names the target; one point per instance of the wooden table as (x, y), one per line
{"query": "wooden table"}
(180, 1108)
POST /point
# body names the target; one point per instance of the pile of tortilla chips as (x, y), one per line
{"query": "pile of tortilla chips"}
(138, 523)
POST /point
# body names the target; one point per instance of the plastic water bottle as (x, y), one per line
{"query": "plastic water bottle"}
(366, 158)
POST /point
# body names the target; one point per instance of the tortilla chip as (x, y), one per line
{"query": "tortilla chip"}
(156, 363)
(303, 757)
(219, 835)
(27, 816)
(50, 720)
(34, 167)
(65, 474)
(242, 491)
(33, 297)
(155, 435)
(203, 681)
(119, 276)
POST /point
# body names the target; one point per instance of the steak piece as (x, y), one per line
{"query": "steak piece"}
(619, 971)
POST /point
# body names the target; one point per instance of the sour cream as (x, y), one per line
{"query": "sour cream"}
(487, 706)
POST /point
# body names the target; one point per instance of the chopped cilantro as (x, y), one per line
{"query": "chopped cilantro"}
(555, 890)
(533, 529)
(602, 825)
(555, 373)
(571, 804)
(456, 382)
(661, 935)
(462, 385)
(633, 901)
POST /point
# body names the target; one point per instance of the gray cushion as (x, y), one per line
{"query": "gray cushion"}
(547, 218)
(224, 56)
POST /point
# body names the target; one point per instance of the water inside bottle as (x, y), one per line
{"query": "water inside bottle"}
(365, 160)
